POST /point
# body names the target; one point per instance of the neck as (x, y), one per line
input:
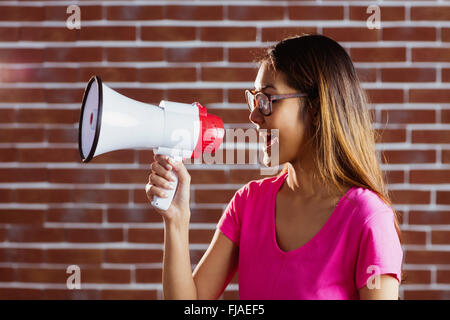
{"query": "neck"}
(303, 182)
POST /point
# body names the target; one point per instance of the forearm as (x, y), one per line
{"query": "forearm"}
(178, 282)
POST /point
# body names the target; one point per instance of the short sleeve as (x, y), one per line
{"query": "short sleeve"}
(380, 251)
(230, 221)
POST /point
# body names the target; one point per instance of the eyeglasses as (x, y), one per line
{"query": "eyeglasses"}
(264, 102)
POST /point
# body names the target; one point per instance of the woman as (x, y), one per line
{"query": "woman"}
(324, 227)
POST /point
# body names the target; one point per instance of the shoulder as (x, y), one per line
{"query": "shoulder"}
(258, 187)
(367, 206)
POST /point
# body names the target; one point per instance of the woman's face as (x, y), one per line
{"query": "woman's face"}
(286, 117)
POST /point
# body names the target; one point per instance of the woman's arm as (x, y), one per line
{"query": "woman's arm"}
(386, 290)
(219, 262)
(216, 268)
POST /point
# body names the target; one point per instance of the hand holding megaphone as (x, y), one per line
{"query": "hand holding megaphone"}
(165, 172)
(110, 121)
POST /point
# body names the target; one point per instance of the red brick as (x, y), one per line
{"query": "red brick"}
(204, 96)
(21, 255)
(255, 13)
(21, 13)
(21, 135)
(429, 95)
(279, 33)
(352, 34)
(228, 34)
(110, 74)
(79, 215)
(59, 13)
(366, 74)
(134, 12)
(64, 294)
(109, 33)
(7, 115)
(40, 75)
(316, 12)
(378, 54)
(408, 75)
(47, 155)
(245, 54)
(132, 255)
(385, 95)
(33, 234)
(388, 13)
(195, 13)
(9, 34)
(22, 95)
(129, 295)
(146, 235)
(442, 197)
(194, 54)
(409, 34)
(228, 74)
(122, 54)
(43, 195)
(427, 257)
(20, 294)
(98, 196)
(410, 156)
(440, 237)
(430, 54)
(74, 256)
(167, 75)
(430, 136)
(429, 176)
(8, 154)
(129, 215)
(62, 135)
(25, 55)
(408, 116)
(76, 176)
(392, 135)
(120, 156)
(443, 276)
(148, 275)
(94, 235)
(445, 34)
(430, 13)
(76, 54)
(163, 33)
(23, 175)
(417, 277)
(213, 196)
(22, 216)
(47, 34)
(429, 217)
(232, 116)
(53, 116)
(414, 237)
(410, 197)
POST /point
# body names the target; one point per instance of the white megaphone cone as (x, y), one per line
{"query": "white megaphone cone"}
(110, 121)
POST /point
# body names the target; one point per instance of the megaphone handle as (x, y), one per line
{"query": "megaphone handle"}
(164, 203)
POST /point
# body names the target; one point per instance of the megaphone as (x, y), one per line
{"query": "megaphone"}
(111, 121)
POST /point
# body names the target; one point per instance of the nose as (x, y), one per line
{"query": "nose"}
(256, 117)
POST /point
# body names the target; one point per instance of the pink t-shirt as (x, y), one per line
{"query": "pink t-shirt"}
(357, 242)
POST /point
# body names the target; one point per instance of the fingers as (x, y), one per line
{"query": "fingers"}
(157, 168)
(151, 190)
(160, 182)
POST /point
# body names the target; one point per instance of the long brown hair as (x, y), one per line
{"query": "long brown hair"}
(341, 127)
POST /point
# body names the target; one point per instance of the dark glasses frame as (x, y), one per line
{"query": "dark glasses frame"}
(255, 102)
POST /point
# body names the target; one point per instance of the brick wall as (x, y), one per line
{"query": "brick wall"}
(56, 211)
